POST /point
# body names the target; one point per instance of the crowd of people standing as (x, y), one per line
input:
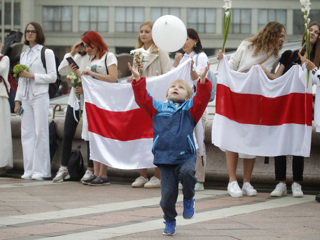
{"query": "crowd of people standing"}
(92, 58)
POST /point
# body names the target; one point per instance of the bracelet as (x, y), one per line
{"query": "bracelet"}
(314, 70)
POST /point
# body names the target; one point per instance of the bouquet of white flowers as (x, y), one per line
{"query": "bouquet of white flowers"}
(76, 82)
(140, 56)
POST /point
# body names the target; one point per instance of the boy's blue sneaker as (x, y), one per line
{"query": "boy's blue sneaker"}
(188, 208)
(169, 230)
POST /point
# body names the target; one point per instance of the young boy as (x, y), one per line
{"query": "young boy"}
(173, 146)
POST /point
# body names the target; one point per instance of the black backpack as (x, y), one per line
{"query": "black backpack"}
(53, 87)
(75, 165)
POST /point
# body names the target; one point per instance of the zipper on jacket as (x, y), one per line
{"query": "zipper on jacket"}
(154, 143)
(193, 149)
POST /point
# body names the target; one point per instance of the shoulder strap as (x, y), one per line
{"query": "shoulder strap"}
(292, 52)
(43, 58)
(2, 79)
(105, 62)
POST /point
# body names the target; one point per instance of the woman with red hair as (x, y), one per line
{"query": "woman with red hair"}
(102, 66)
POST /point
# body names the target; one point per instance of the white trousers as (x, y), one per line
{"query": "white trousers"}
(201, 163)
(5, 137)
(35, 136)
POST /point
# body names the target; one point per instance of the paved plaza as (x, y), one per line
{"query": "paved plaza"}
(69, 210)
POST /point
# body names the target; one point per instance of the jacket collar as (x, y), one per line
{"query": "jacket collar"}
(35, 49)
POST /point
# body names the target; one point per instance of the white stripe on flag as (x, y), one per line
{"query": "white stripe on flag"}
(134, 154)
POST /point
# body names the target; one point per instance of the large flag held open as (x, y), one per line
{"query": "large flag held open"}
(120, 134)
(263, 117)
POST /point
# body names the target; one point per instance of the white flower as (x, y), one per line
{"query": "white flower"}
(227, 4)
(227, 14)
(305, 2)
(140, 52)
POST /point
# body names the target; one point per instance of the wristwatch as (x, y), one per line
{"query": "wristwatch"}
(314, 70)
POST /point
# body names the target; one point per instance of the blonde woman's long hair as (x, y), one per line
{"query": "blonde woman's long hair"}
(267, 38)
(154, 49)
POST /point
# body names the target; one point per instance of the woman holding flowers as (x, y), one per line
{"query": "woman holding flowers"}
(150, 61)
(102, 66)
(287, 60)
(32, 94)
(6, 160)
(74, 109)
(263, 48)
(193, 49)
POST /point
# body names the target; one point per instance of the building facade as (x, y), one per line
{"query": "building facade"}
(118, 22)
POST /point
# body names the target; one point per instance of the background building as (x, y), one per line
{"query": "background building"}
(118, 21)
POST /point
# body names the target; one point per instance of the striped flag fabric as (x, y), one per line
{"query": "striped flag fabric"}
(120, 134)
(262, 117)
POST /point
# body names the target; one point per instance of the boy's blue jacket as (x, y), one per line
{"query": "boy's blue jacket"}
(173, 127)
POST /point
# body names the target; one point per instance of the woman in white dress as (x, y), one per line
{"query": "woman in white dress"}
(6, 160)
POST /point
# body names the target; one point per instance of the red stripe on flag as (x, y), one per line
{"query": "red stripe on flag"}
(124, 126)
(256, 109)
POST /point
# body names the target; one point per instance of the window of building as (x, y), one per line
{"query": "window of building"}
(93, 18)
(298, 20)
(57, 19)
(7, 13)
(240, 21)
(268, 15)
(128, 19)
(158, 12)
(203, 20)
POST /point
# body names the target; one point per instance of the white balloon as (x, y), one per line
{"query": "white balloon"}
(169, 33)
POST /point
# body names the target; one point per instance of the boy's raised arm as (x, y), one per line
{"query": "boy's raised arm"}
(203, 73)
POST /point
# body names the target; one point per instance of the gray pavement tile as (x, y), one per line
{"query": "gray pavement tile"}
(42, 210)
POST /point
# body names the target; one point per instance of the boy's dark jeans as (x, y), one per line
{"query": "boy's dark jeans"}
(170, 176)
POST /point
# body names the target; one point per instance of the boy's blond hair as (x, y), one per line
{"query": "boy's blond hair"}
(184, 83)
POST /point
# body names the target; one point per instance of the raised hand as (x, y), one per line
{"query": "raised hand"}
(220, 54)
(177, 59)
(135, 72)
(203, 73)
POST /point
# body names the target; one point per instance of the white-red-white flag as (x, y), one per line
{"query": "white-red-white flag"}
(120, 134)
(263, 117)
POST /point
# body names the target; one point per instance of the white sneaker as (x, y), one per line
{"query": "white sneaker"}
(199, 187)
(87, 175)
(37, 177)
(26, 176)
(234, 189)
(296, 190)
(280, 190)
(61, 175)
(139, 182)
(154, 182)
(248, 190)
